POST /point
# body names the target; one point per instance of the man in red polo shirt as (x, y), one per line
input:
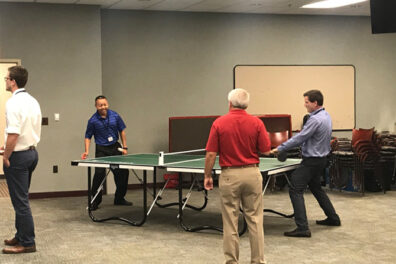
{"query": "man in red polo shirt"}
(238, 138)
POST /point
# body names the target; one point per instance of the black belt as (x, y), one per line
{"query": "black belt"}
(107, 146)
(314, 157)
(240, 167)
(29, 148)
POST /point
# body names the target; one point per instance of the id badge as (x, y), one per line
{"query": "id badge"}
(110, 139)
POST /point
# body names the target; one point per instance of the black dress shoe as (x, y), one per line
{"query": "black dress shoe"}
(298, 233)
(123, 202)
(329, 222)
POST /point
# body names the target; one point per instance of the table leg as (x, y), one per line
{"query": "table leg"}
(265, 188)
(128, 221)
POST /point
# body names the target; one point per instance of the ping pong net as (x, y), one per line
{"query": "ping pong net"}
(180, 157)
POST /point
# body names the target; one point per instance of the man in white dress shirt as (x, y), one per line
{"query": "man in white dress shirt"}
(22, 133)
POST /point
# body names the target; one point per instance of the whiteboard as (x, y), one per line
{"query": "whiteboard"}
(279, 89)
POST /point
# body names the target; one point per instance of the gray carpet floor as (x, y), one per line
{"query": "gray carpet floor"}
(66, 234)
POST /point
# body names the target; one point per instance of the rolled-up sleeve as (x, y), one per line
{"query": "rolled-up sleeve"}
(13, 119)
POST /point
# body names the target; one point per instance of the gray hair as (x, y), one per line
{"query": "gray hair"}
(239, 98)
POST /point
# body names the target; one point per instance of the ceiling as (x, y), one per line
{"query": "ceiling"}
(220, 6)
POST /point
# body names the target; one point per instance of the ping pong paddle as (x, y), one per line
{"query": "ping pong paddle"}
(282, 156)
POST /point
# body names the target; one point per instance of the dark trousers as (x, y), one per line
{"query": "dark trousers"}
(120, 175)
(18, 176)
(309, 173)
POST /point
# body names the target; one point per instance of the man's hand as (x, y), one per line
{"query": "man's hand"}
(124, 152)
(210, 160)
(84, 155)
(6, 162)
(9, 147)
(274, 151)
(208, 183)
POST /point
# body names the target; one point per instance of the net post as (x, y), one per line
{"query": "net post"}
(161, 158)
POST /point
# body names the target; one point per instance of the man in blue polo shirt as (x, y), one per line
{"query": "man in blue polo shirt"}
(106, 126)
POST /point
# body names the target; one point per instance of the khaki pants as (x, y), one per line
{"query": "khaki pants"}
(242, 186)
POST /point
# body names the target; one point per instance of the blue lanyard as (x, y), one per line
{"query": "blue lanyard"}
(319, 111)
(107, 126)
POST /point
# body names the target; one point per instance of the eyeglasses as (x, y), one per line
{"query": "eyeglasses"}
(7, 78)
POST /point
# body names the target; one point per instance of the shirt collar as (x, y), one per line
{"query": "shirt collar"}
(316, 111)
(18, 90)
(100, 117)
(237, 111)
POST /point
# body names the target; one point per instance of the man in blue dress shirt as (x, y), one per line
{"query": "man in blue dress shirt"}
(106, 126)
(314, 140)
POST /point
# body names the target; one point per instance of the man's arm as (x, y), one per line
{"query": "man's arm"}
(88, 135)
(297, 140)
(264, 142)
(87, 143)
(9, 148)
(209, 163)
(267, 153)
(123, 141)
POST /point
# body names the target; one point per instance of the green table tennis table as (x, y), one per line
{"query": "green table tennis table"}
(182, 164)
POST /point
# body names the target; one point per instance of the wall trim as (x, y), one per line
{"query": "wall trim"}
(43, 195)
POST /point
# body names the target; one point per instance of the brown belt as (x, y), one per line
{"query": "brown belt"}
(240, 167)
(32, 148)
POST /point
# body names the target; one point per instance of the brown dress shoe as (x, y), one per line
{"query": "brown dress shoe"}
(298, 233)
(18, 249)
(11, 242)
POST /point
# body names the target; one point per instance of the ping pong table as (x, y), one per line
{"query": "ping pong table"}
(269, 167)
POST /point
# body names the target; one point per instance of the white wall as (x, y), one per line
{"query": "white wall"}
(60, 45)
(161, 64)
(153, 65)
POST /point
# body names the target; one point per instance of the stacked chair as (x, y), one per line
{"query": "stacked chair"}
(368, 157)
(387, 160)
(343, 163)
(367, 150)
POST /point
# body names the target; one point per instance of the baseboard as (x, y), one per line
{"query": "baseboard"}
(43, 195)
(139, 186)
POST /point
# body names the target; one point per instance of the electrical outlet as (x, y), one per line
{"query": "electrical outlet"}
(44, 121)
(55, 169)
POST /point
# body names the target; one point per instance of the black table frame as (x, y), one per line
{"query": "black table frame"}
(179, 203)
